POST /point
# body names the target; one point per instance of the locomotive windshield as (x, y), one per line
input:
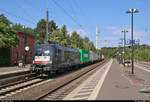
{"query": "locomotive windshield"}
(43, 50)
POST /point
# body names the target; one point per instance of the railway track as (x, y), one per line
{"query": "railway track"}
(7, 78)
(8, 90)
(25, 79)
(14, 80)
(61, 84)
(62, 91)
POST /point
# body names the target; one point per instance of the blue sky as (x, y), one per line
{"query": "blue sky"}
(109, 15)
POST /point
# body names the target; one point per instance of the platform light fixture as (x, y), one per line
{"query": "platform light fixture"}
(132, 11)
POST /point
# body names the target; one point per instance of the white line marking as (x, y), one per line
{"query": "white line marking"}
(95, 77)
(94, 94)
(142, 68)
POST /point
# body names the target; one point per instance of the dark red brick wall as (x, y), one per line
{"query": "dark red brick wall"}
(18, 52)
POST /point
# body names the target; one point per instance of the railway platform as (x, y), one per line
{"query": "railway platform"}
(120, 84)
(13, 69)
(109, 81)
(113, 82)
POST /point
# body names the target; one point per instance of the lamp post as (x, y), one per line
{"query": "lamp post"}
(27, 48)
(120, 53)
(121, 44)
(132, 10)
(25, 44)
(124, 31)
(138, 43)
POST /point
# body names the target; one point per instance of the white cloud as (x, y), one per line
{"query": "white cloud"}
(70, 31)
(138, 34)
(115, 34)
(82, 32)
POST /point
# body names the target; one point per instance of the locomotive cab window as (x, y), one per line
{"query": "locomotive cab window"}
(43, 50)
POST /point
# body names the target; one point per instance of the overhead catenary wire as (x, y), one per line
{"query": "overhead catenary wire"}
(31, 17)
(77, 6)
(18, 17)
(72, 9)
(81, 10)
(74, 20)
(30, 4)
(52, 11)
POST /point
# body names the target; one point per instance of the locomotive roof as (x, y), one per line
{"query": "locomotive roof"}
(59, 46)
(71, 49)
(66, 48)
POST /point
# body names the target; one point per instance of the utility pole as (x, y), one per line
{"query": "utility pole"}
(47, 16)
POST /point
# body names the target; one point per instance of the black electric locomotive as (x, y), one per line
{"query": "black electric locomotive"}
(51, 57)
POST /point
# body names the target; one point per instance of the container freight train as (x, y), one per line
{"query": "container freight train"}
(52, 58)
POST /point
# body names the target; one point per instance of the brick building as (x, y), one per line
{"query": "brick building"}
(18, 53)
(11, 56)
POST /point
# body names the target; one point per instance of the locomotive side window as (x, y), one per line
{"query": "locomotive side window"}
(59, 55)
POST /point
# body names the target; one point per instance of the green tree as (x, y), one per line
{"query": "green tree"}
(60, 36)
(86, 43)
(5, 20)
(29, 30)
(65, 37)
(40, 30)
(76, 40)
(92, 47)
(7, 34)
(17, 27)
(52, 26)
(55, 36)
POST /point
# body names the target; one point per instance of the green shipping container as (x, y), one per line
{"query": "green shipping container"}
(84, 56)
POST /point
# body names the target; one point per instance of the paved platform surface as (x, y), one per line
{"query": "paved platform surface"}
(6, 70)
(120, 84)
(114, 82)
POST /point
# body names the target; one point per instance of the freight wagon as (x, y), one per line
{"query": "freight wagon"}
(84, 56)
